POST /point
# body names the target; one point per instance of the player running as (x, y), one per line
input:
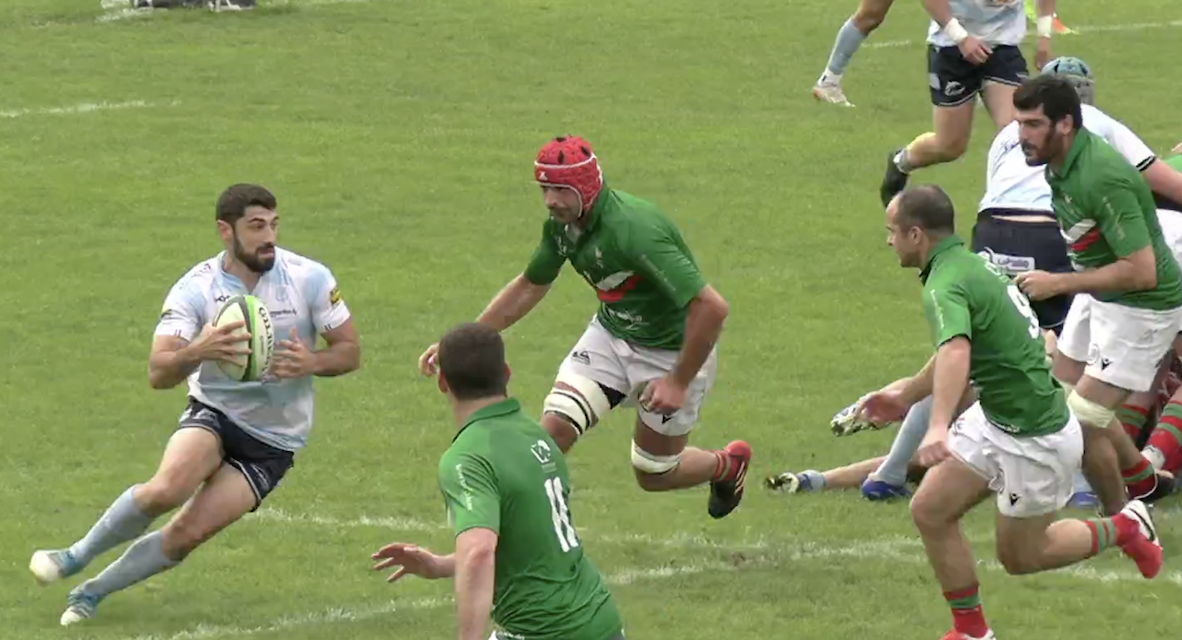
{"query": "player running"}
(869, 16)
(236, 440)
(518, 557)
(1018, 440)
(1128, 290)
(1016, 229)
(973, 49)
(652, 342)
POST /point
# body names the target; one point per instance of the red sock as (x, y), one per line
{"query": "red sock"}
(723, 469)
(1140, 478)
(967, 615)
(1167, 437)
(1118, 531)
(1133, 419)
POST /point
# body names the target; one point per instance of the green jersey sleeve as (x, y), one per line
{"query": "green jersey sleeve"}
(1121, 219)
(948, 313)
(469, 488)
(546, 262)
(666, 263)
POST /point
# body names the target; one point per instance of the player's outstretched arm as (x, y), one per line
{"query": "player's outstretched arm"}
(475, 563)
(413, 560)
(174, 358)
(1164, 180)
(513, 302)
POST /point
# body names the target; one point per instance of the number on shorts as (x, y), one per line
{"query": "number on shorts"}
(1023, 304)
(560, 513)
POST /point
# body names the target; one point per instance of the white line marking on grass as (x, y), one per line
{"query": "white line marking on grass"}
(625, 576)
(85, 107)
(393, 523)
(1079, 30)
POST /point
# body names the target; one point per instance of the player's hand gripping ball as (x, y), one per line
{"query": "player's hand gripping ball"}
(251, 311)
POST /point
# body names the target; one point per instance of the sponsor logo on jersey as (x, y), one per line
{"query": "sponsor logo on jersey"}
(334, 296)
(614, 287)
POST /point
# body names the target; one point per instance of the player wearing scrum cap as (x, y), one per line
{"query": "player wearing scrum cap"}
(652, 342)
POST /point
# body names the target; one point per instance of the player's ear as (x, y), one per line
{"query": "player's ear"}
(508, 374)
(442, 382)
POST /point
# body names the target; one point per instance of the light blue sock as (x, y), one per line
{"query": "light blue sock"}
(123, 521)
(907, 441)
(1081, 484)
(844, 48)
(143, 559)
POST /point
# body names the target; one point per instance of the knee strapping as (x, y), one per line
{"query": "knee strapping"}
(583, 406)
(653, 464)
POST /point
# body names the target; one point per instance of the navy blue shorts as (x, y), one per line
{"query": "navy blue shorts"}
(1023, 246)
(263, 465)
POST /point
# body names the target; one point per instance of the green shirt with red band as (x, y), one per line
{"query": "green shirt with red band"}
(504, 473)
(966, 295)
(1106, 212)
(635, 259)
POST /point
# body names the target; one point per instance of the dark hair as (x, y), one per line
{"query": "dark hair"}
(234, 201)
(472, 360)
(928, 207)
(1055, 94)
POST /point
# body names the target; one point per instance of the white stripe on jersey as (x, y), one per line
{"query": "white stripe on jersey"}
(1010, 183)
(994, 21)
(300, 293)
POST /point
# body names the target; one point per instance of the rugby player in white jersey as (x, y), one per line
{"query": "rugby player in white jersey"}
(235, 440)
(973, 48)
(868, 17)
(1016, 230)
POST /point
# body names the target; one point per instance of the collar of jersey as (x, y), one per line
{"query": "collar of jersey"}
(944, 245)
(1082, 138)
(495, 410)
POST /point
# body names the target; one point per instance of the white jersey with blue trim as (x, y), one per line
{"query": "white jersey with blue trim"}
(1012, 184)
(300, 293)
(993, 21)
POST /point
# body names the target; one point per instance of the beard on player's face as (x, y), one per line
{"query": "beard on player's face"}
(255, 260)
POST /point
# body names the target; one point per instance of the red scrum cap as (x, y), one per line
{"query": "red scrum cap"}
(569, 161)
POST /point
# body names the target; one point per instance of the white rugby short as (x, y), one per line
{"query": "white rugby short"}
(1032, 476)
(625, 367)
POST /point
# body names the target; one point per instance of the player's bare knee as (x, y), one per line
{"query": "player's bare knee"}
(952, 147)
(653, 472)
(868, 18)
(1017, 559)
(182, 536)
(161, 494)
(927, 513)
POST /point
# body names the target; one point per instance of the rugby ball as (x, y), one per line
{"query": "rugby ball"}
(253, 312)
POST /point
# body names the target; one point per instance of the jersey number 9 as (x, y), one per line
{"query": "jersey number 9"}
(1023, 304)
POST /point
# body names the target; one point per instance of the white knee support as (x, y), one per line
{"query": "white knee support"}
(653, 464)
(582, 407)
(1089, 412)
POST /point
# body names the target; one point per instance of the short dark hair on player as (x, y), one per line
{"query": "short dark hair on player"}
(472, 360)
(1056, 95)
(928, 207)
(235, 200)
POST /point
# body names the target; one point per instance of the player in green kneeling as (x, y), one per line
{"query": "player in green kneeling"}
(1016, 439)
(518, 557)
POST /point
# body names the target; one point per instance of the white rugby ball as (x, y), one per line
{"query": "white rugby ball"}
(253, 312)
